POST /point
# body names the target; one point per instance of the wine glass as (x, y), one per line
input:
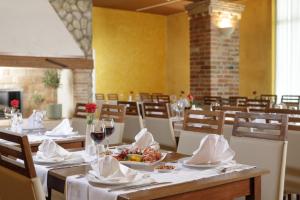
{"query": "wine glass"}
(98, 136)
(109, 127)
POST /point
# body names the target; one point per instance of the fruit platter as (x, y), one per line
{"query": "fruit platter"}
(146, 157)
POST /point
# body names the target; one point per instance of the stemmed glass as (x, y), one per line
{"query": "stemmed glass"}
(109, 127)
(98, 136)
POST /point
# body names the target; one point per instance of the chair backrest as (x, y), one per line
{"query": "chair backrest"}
(237, 101)
(230, 112)
(292, 161)
(257, 105)
(271, 97)
(156, 110)
(80, 110)
(204, 121)
(198, 124)
(133, 125)
(266, 149)
(291, 101)
(117, 112)
(112, 96)
(162, 131)
(132, 108)
(294, 117)
(163, 98)
(99, 96)
(146, 97)
(18, 177)
(208, 100)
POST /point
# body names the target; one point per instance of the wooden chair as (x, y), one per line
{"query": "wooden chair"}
(237, 101)
(158, 110)
(197, 124)
(18, 178)
(256, 105)
(133, 120)
(230, 112)
(112, 97)
(146, 97)
(158, 122)
(291, 101)
(209, 100)
(163, 98)
(99, 96)
(292, 178)
(271, 97)
(117, 113)
(79, 119)
(265, 149)
(80, 110)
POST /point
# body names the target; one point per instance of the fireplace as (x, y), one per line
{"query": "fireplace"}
(7, 95)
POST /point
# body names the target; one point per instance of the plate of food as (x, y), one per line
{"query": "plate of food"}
(165, 168)
(137, 157)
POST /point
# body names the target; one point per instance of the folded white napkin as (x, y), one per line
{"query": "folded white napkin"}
(143, 140)
(50, 151)
(110, 169)
(64, 128)
(213, 149)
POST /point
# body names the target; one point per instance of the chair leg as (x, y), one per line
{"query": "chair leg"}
(284, 197)
(49, 194)
(298, 196)
(289, 197)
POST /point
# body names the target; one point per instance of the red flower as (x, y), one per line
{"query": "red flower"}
(190, 97)
(90, 108)
(14, 103)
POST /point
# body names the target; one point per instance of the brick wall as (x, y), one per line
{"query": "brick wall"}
(214, 59)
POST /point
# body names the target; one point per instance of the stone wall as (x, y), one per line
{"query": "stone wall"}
(214, 55)
(77, 17)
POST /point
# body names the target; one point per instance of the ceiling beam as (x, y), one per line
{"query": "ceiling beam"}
(45, 62)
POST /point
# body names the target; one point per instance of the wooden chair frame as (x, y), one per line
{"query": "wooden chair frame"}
(271, 97)
(211, 118)
(112, 97)
(237, 100)
(282, 127)
(208, 100)
(80, 110)
(291, 115)
(157, 110)
(257, 105)
(21, 150)
(291, 101)
(163, 98)
(117, 112)
(100, 96)
(131, 107)
(235, 109)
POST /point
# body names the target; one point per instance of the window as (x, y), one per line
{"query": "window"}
(288, 47)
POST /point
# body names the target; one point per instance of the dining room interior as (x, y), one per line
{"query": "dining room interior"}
(149, 99)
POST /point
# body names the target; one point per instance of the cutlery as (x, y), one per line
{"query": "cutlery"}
(130, 187)
(66, 165)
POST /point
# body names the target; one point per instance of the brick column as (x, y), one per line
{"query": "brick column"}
(214, 50)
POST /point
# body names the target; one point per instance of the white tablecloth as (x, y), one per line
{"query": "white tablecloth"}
(80, 189)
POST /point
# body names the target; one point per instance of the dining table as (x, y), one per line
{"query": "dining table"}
(223, 186)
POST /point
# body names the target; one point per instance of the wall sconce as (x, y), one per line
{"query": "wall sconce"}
(226, 23)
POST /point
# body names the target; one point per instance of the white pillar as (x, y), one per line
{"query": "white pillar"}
(65, 93)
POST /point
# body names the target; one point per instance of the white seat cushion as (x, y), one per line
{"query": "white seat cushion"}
(266, 154)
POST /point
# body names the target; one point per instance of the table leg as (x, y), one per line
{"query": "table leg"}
(255, 189)
(49, 193)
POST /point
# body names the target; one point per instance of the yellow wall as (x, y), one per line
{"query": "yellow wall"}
(130, 51)
(178, 54)
(256, 64)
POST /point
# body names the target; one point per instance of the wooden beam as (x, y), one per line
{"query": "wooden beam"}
(45, 62)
